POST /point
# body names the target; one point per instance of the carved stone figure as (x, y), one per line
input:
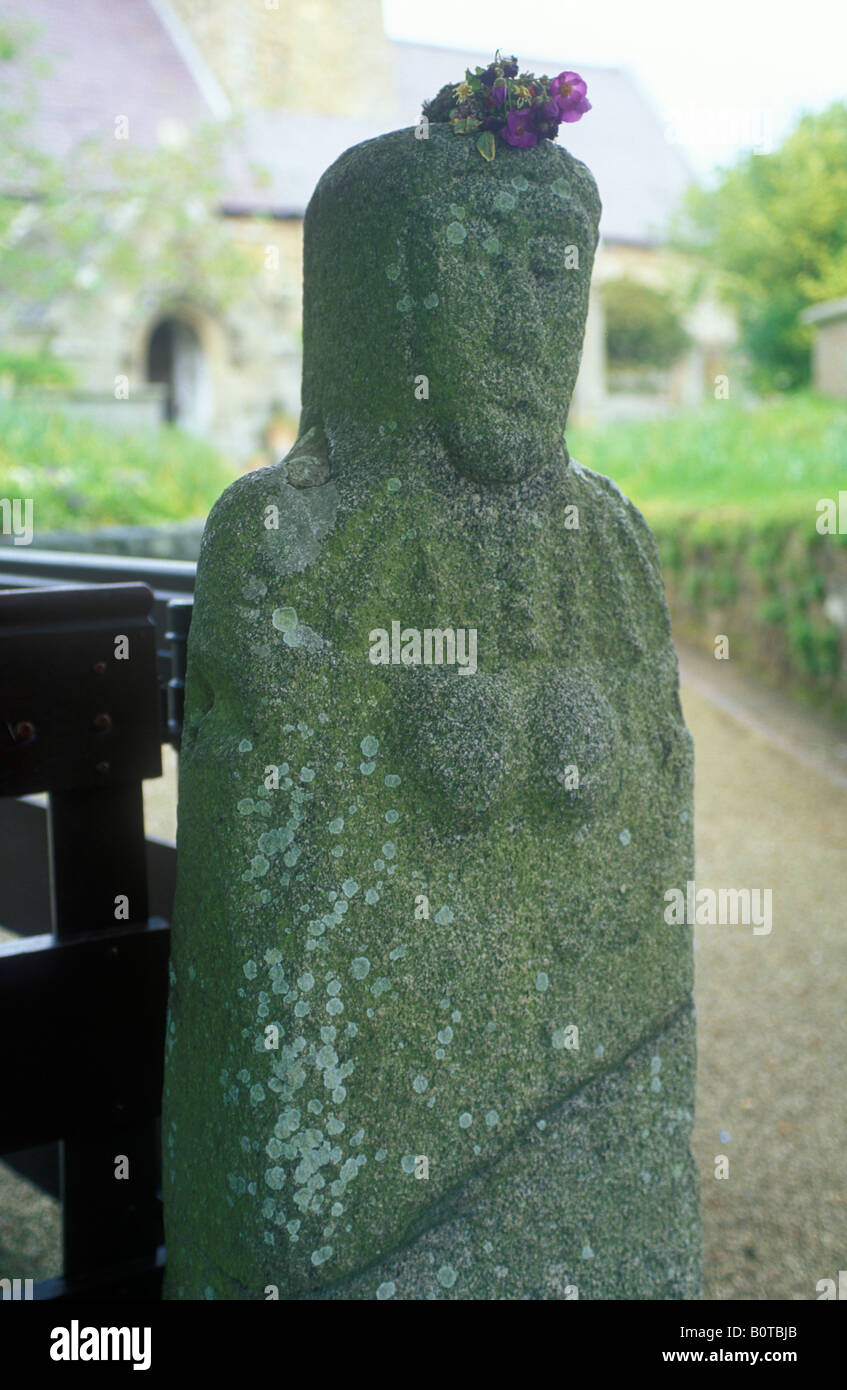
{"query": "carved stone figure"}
(430, 1035)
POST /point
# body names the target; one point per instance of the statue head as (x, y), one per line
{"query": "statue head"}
(445, 296)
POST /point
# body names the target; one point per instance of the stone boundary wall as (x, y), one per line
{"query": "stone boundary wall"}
(173, 541)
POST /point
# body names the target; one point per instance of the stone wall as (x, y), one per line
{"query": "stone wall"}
(251, 350)
(306, 54)
(829, 357)
(173, 541)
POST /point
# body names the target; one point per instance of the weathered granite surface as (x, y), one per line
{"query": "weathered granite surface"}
(557, 1159)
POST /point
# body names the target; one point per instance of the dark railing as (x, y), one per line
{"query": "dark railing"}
(92, 663)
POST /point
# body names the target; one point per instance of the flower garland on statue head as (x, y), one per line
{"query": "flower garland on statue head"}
(519, 107)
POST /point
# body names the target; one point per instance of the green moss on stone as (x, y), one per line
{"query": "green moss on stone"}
(297, 904)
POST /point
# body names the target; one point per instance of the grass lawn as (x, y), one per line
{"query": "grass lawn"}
(731, 494)
(82, 475)
(769, 461)
(772, 459)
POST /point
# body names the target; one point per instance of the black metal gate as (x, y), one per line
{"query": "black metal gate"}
(91, 680)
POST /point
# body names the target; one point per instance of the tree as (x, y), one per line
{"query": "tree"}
(775, 230)
(643, 327)
(113, 214)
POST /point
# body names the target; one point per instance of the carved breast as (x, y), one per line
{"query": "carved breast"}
(484, 738)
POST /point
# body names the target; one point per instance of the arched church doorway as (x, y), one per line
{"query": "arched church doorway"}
(175, 359)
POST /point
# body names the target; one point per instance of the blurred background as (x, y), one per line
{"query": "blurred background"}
(156, 159)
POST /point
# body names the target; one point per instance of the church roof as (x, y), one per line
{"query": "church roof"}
(104, 60)
(129, 59)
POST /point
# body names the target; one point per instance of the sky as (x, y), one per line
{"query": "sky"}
(725, 76)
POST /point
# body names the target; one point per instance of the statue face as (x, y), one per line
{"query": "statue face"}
(423, 260)
(506, 339)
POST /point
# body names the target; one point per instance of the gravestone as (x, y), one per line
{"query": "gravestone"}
(429, 1033)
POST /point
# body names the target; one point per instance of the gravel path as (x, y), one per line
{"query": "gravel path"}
(771, 811)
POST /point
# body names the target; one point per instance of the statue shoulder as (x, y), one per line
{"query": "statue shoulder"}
(266, 525)
(613, 515)
(239, 505)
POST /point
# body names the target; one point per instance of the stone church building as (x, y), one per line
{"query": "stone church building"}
(307, 78)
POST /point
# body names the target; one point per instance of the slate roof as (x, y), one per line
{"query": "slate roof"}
(108, 59)
(824, 313)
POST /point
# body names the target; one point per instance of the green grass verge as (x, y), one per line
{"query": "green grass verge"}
(81, 475)
(731, 496)
(766, 461)
(730, 493)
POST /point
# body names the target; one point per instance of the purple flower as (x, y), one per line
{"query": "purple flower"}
(546, 118)
(489, 77)
(568, 84)
(568, 90)
(498, 91)
(519, 129)
(574, 113)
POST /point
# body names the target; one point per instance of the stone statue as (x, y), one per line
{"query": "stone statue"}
(429, 1034)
